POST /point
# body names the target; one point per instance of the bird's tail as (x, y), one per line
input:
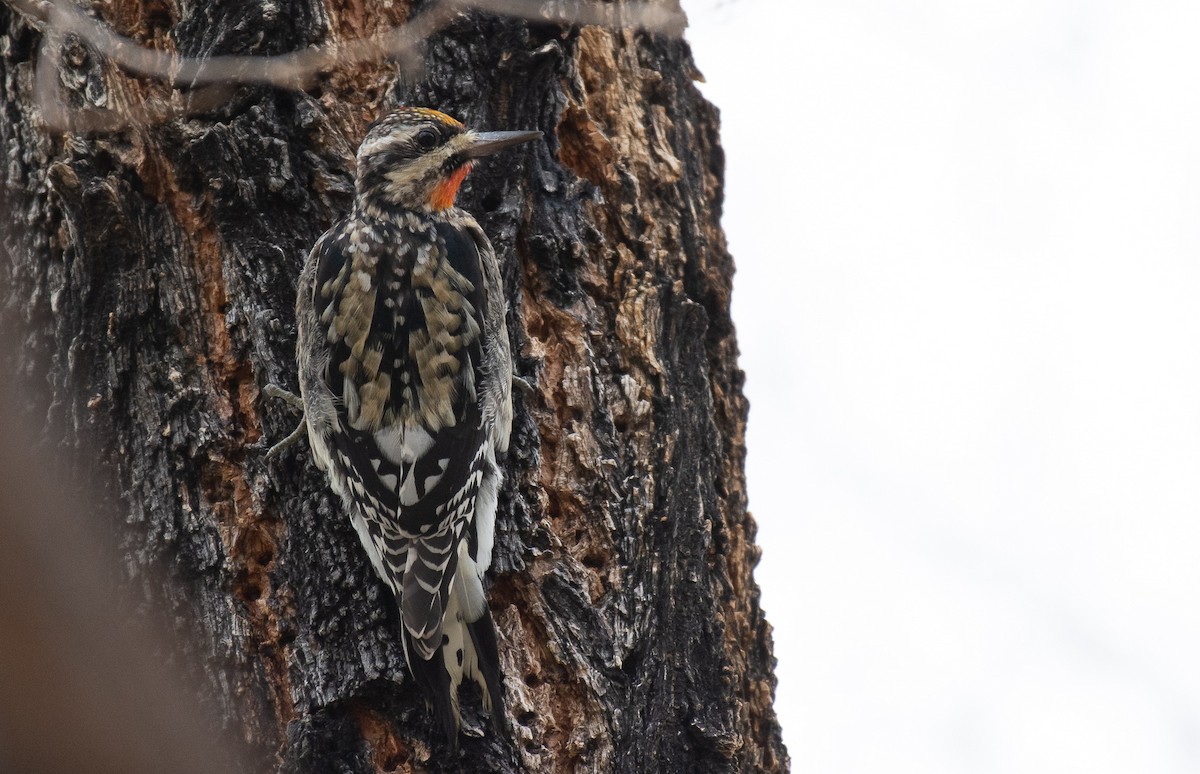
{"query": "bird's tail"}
(468, 652)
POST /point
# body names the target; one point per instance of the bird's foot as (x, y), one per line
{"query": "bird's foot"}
(293, 400)
(525, 387)
(301, 431)
(290, 398)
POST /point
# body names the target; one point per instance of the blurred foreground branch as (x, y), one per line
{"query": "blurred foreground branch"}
(213, 77)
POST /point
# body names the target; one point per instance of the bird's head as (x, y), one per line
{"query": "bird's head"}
(416, 158)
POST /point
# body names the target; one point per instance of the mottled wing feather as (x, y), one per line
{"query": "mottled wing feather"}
(336, 292)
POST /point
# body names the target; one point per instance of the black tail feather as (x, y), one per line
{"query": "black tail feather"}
(435, 683)
(483, 635)
(431, 675)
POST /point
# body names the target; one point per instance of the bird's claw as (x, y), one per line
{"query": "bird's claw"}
(301, 431)
(292, 400)
(525, 387)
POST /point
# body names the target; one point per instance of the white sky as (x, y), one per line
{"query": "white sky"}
(968, 303)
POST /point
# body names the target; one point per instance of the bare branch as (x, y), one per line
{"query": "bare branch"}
(58, 117)
(289, 71)
(296, 70)
(646, 16)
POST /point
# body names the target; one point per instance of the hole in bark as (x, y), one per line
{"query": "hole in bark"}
(631, 663)
(531, 747)
(593, 561)
(491, 202)
(526, 718)
(532, 680)
(250, 589)
(158, 17)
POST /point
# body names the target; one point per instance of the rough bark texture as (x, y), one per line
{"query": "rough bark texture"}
(151, 279)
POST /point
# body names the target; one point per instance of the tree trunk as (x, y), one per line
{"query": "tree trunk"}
(151, 280)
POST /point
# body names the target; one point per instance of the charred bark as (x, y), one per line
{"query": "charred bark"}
(150, 284)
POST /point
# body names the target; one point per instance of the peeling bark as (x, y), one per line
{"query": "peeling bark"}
(152, 276)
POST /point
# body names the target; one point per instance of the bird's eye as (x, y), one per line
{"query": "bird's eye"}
(427, 139)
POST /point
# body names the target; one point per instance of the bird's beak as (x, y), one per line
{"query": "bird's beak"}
(487, 143)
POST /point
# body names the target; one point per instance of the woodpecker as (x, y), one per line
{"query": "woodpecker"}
(405, 376)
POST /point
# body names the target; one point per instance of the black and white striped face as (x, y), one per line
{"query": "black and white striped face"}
(411, 158)
(416, 158)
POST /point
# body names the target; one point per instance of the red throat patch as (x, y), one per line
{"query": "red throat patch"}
(445, 191)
